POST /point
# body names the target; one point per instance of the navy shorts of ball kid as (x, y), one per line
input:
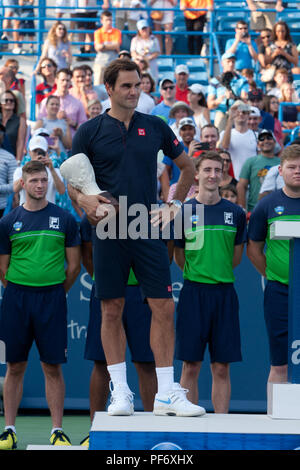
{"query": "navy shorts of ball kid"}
(136, 321)
(276, 318)
(149, 259)
(34, 314)
(208, 314)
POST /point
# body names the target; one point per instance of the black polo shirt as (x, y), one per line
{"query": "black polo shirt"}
(125, 160)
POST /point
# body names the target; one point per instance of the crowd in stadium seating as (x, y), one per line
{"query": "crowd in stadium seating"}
(258, 70)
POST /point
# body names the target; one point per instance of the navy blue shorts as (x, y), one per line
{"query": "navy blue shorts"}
(136, 320)
(148, 258)
(276, 318)
(208, 314)
(34, 314)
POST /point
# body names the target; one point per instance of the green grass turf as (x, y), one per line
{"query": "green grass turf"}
(35, 429)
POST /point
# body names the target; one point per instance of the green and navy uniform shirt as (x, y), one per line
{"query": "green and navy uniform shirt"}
(209, 246)
(36, 242)
(86, 236)
(273, 207)
(125, 160)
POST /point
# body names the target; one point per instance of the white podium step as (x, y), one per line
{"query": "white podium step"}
(144, 431)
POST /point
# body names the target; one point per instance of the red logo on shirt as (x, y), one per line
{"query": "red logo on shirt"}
(175, 142)
(169, 288)
(141, 131)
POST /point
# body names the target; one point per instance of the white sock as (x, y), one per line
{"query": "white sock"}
(12, 427)
(118, 373)
(165, 379)
(55, 429)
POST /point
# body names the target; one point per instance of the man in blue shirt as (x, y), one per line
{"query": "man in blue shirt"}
(122, 145)
(241, 45)
(167, 88)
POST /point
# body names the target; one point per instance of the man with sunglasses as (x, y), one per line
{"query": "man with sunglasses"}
(167, 89)
(38, 150)
(255, 169)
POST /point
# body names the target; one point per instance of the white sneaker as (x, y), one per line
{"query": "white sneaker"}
(175, 403)
(121, 401)
(16, 50)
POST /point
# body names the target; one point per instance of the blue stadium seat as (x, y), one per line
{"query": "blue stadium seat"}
(195, 64)
(165, 64)
(198, 77)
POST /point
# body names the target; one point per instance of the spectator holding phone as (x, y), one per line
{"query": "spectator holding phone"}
(244, 49)
(38, 150)
(58, 128)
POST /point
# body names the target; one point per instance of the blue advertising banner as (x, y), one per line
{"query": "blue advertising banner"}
(248, 377)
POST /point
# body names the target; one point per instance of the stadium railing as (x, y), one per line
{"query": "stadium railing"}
(220, 26)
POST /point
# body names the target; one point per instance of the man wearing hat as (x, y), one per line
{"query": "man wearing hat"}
(38, 150)
(255, 169)
(180, 110)
(237, 138)
(254, 118)
(182, 76)
(255, 98)
(243, 47)
(167, 90)
(223, 90)
(8, 164)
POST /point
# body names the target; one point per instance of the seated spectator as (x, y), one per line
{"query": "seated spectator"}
(71, 109)
(47, 70)
(167, 90)
(58, 128)
(15, 125)
(163, 20)
(94, 108)
(271, 106)
(249, 76)
(265, 40)
(178, 111)
(237, 138)
(78, 89)
(195, 21)
(210, 134)
(8, 165)
(255, 98)
(223, 90)
(38, 150)
(146, 46)
(18, 83)
(255, 169)
(90, 88)
(107, 42)
(57, 47)
(7, 76)
(254, 119)
(244, 49)
(229, 192)
(226, 177)
(148, 84)
(197, 101)
(281, 76)
(282, 52)
(263, 19)
(289, 112)
(182, 77)
(187, 132)
(124, 54)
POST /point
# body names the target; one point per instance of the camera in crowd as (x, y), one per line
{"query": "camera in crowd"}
(225, 80)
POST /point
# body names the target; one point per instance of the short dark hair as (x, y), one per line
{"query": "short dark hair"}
(111, 72)
(64, 70)
(228, 187)
(77, 67)
(148, 75)
(34, 166)
(106, 13)
(208, 155)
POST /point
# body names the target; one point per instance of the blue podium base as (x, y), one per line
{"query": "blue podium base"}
(144, 431)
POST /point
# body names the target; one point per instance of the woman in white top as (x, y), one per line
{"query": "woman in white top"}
(146, 46)
(196, 98)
